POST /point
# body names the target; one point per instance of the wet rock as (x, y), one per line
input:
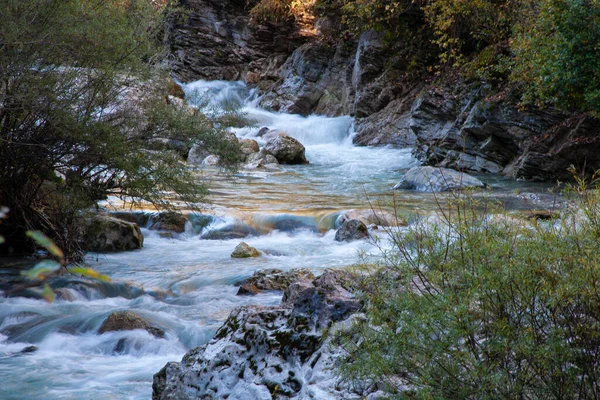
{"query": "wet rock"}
(233, 231)
(264, 350)
(432, 179)
(277, 279)
(169, 221)
(243, 250)
(285, 149)
(127, 321)
(372, 217)
(248, 289)
(262, 131)
(29, 349)
(108, 234)
(351, 230)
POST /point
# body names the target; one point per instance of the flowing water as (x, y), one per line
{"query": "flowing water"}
(186, 284)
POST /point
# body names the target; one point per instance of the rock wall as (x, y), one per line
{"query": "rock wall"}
(461, 125)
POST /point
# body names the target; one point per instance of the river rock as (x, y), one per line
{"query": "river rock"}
(108, 234)
(262, 159)
(285, 149)
(169, 221)
(372, 217)
(275, 279)
(262, 352)
(351, 230)
(235, 230)
(127, 321)
(243, 250)
(197, 154)
(432, 179)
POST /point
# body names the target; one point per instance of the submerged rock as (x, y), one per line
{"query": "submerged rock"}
(108, 234)
(351, 230)
(274, 279)
(267, 352)
(127, 321)
(431, 179)
(169, 221)
(285, 149)
(243, 250)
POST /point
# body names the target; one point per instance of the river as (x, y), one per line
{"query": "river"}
(185, 284)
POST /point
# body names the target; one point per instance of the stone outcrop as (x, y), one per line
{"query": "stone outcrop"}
(267, 352)
(285, 149)
(243, 250)
(350, 230)
(108, 234)
(434, 179)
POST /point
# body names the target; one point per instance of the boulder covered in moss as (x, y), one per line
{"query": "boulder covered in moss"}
(105, 234)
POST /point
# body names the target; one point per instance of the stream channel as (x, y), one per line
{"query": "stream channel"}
(186, 284)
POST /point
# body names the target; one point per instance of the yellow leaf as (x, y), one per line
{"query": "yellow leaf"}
(90, 273)
(47, 243)
(48, 293)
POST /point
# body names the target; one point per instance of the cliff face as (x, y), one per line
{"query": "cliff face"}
(460, 125)
(215, 41)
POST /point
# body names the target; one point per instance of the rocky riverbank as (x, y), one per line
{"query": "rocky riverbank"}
(457, 124)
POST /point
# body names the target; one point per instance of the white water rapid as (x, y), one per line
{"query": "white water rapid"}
(185, 284)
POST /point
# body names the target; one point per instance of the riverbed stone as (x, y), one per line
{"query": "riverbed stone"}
(275, 279)
(243, 250)
(285, 149)
(372, 217)
(434, 179)
(127, 321)
(108, 234)
(351, 230)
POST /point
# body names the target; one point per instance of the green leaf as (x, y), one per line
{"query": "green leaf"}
(47, 243)
(48, 293)
(90, 273)
(41, 270)
(1, 239)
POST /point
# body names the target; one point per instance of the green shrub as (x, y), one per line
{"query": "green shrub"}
(558, 53)
(481, 306)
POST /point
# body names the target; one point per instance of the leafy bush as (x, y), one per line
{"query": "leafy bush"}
(484, 306)
(83, 115)
(558, 53)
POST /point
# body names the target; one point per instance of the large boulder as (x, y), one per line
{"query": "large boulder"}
(127, 321)
(243, 250)
(274, 279)
(432, 179)
(108, 234)
(285, 149)
(267, 352)
(351, 230)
